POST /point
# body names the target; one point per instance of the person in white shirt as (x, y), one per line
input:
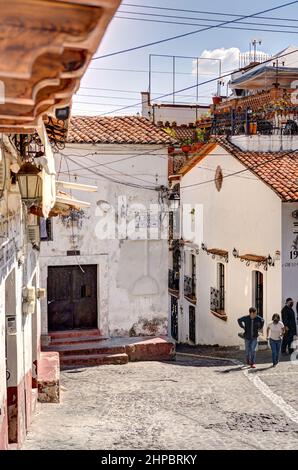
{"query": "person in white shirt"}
(275, 332)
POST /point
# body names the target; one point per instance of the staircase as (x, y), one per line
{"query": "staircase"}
(85, 348)
(82, 348)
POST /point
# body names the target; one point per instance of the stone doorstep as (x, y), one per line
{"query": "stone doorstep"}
(94, 359)
(74, 340)
(89, 350)
(74, 334)
(48, 377)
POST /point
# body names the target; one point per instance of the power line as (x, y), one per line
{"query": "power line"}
(223, 27)
(201, 12)
(129, 91)
(252, 169)
(159, 72)
(151, 188)
(197, 85)
(179, 36)
(134, 99)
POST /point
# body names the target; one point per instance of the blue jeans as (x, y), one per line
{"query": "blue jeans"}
(275, 348)
(250, 350)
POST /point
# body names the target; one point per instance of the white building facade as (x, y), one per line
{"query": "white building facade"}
(244, 253)
(106, 266)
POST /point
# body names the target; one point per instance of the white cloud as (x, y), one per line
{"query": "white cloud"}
(229, 61)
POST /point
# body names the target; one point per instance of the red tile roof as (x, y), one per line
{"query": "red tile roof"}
(279, 170)
(183, 133)
(116, 130)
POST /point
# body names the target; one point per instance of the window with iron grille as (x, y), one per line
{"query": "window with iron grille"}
(258, 292)
(174, 318)
(192, 323)
(221, 286)
(217, 294)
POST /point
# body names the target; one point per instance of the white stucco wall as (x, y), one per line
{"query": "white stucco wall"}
(245, 215)
(266, 143)
(179, 114)
(120, 261)
(290, 251)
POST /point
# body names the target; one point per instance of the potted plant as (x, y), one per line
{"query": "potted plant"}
(216, 99)
(186, 146)
(200, 134)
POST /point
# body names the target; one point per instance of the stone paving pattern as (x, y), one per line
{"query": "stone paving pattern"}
(193, 403)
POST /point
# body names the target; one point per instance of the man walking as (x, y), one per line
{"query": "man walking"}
(289, 321)
(251, 324)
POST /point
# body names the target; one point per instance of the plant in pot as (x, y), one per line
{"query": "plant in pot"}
(216, 99)
(200, 135)
(186, 146)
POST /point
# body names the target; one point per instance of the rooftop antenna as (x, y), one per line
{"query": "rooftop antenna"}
(254, 43)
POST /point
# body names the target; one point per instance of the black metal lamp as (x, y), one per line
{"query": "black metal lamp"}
(174, 200)
(270, 261)
(235, 253)
(30, 183)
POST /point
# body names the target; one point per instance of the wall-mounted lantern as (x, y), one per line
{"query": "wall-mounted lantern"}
(174, 202)
(235, 253)
(30, 183)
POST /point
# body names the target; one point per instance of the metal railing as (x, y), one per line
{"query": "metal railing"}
(189, 286)
(173, 280)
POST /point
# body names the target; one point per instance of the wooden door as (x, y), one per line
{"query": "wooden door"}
(72, 297)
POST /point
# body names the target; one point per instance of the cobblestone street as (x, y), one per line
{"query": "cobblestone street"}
(193, 403)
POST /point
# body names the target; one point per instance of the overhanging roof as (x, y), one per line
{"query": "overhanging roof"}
(45, 48)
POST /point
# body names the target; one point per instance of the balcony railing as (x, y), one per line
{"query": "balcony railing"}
(190, 287)
(173, 280)
(263, 124)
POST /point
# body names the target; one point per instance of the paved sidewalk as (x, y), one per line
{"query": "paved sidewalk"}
(193, 403)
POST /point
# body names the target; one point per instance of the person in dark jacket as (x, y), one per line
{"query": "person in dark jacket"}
(251, 324)
(289, 321)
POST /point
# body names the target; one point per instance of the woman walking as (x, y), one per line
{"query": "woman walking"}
(275, 332)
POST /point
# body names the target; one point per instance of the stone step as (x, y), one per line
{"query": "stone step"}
(93, 360)
(75, 340)
(87, 351)
(74, 333)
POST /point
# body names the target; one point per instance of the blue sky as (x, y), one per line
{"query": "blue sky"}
(97, 95)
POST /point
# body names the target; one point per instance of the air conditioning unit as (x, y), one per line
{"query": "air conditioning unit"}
(29, 299)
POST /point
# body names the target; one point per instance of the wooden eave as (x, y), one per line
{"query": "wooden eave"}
(254, 258)
(218, 252)
(45, 48)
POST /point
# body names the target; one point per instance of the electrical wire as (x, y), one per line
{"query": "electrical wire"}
(200, 11)
(151, 188)
(179, 36)
(211, 19)
(195, 86)
(222, 27)
(252, 169)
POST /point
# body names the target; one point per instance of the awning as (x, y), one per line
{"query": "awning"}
(64, 204)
